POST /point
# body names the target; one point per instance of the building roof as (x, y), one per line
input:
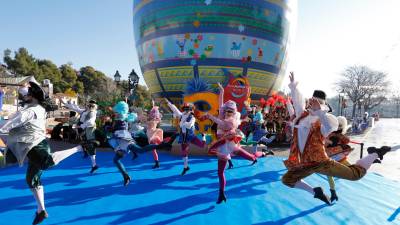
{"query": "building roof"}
(15, 81)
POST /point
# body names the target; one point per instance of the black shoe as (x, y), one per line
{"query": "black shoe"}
(185, 170)
(334, 197)
(127, 179)
(94, 168)
(319, 193)
(135, 155)
(39, 217)
(377, 161)
(380, 151)
(221, 197)
(156, 164)
(230, 164)
(254, 162)
(267, 152)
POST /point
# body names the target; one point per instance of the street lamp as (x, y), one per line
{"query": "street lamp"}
(117, 77)
(133, 81)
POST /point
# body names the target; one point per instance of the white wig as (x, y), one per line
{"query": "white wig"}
(342, 124)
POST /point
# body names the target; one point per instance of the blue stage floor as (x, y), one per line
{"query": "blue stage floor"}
(255, 195)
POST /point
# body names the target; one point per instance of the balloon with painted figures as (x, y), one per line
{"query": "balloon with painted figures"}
(248, 38)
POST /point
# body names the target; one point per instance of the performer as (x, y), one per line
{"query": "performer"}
(27, 139)
(337, 148)
(154, 134)
(186, 136)
(87, 126)
(228, 122)
(122, 141)
(307, 152)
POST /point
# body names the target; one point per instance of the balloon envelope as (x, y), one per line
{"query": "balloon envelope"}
(177, 41)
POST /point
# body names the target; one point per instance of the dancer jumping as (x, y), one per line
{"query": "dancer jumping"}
(154, 134)
(186, 136)
(307, 152)
(228, 122)
(337, 148)
(27, 139)
(122, 141)
(87, 126)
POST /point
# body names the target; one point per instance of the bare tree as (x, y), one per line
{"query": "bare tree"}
(365, 87)
(376, 91)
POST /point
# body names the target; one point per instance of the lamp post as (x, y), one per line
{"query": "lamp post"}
(341, 99)
(117, 77)
(133, 82)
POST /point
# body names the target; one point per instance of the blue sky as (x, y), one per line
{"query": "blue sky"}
(330, 35)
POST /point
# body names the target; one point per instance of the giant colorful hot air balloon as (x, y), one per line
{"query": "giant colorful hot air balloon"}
(181, 40)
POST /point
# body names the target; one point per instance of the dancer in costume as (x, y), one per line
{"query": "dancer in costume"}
(154, 134)
(186, 136)
(228, 122)
(307, 152)
(337, 148)
(87, 127)
(122, 141)
(27, 139)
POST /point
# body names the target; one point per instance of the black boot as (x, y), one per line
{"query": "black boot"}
(230, 164)
(39, 217)
(319, 193)
(156, 164)
(94, 168)
(185, 170)
(380, 151)
(334, 197)
(221, 197)
(127, 179)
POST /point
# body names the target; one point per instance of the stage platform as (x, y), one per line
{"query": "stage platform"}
(162, 196)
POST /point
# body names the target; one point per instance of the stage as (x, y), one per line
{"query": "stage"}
(162, 196)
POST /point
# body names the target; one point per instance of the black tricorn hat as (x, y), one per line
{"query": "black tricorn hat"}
(36, 91)
(319, 94)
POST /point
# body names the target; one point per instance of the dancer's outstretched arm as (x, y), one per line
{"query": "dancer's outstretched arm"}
(221, 100)
(298, 99)
(16, 120)
(223, 124)
(174, 109)
(72, 107)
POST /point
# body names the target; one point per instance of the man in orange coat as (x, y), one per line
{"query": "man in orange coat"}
(307, 152)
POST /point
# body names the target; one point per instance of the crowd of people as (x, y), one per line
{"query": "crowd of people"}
(318, 143)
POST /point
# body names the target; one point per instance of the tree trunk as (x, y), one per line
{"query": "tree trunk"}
(354, 110)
